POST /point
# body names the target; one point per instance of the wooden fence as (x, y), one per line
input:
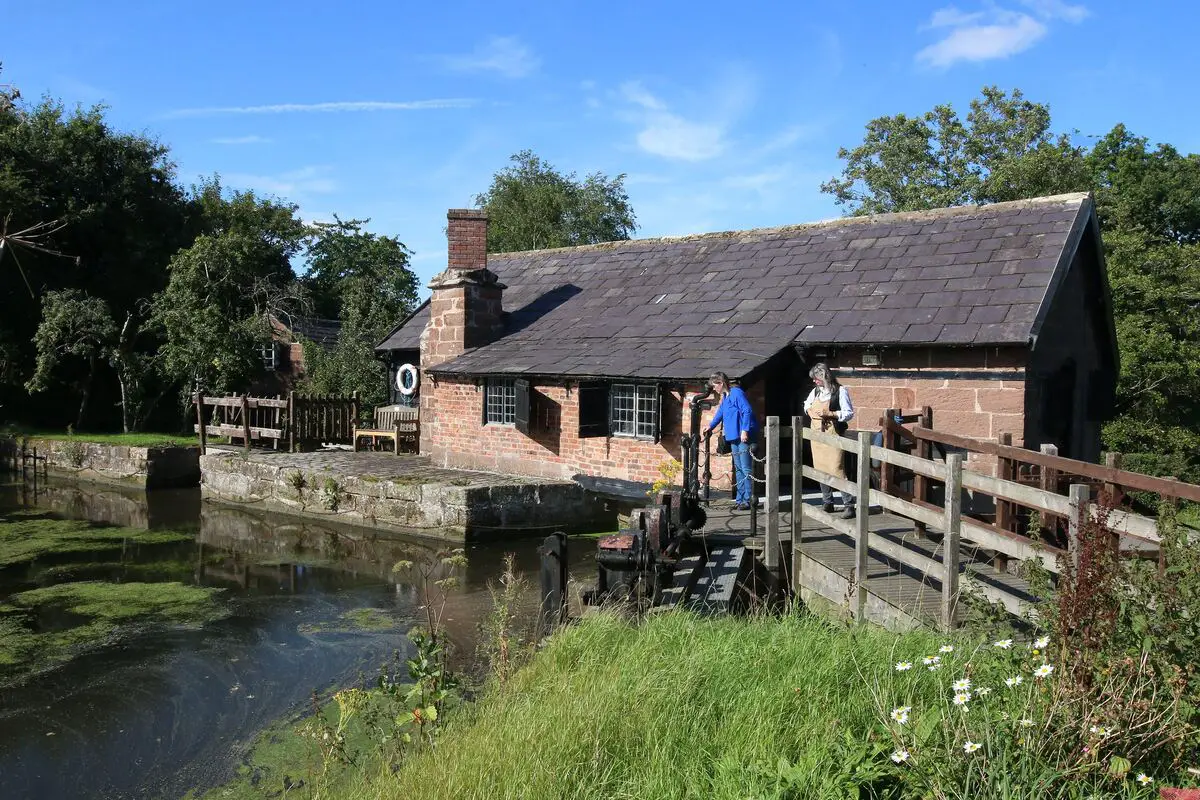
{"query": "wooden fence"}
(1133, 534)
(292, 422)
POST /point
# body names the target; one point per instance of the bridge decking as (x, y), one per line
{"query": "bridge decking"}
(898, 595)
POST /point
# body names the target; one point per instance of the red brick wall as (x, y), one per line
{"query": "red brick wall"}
(978, 393)
(453, 435)
(466, 236)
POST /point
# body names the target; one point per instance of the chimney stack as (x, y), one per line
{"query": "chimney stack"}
(465, 308)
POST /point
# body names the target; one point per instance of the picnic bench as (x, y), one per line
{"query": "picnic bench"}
(399, 423)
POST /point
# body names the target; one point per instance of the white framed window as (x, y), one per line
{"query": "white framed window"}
(269, 355)
(500, 401)
(633, 410)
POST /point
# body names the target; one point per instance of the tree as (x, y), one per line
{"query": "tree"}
(364, 281)
(532, 206)
(1004, 151)
(214, 314)
(1148, 202)
(74, 325)
(119, 214)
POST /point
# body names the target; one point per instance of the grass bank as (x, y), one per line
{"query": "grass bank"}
(126, 439)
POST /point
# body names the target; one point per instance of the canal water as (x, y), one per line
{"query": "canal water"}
(105, 705)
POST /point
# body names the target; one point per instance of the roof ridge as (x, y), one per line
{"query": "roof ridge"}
(894, 216)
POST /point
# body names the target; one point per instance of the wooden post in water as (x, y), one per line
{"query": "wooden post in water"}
(950, 546)
(246, 420)
(797, 499)
(771, 546)
(862, 526)
(200, 423)
(1080, 494)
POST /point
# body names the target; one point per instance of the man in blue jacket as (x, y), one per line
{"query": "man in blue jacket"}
(736, 417)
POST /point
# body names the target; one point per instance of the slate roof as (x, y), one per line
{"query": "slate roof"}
(322, 331)
(681, 307)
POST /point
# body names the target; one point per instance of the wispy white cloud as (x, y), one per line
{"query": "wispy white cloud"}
(324, 108)
(504, 55)
(992, 33)
(252, 139)
(290, 185)
(668, 134)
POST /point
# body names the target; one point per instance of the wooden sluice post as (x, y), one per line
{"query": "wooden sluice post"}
(200, 424)
(246, 421)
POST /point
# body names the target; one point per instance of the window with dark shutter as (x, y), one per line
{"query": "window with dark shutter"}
(593, 409)
(521, 405)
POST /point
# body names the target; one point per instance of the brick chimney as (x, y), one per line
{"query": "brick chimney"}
(465, 308)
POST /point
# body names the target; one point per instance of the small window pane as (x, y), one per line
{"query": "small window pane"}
(500, 397)
(624, 410)
(647, 412)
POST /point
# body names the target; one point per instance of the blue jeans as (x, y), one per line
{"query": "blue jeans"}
(743, 468)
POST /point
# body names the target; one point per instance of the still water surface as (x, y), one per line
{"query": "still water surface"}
(171, 709)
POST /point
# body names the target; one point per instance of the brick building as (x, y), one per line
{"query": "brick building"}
(283, 356)
(580, 360)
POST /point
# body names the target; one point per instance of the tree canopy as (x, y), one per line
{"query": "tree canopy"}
(1148, 202)
(532, 206)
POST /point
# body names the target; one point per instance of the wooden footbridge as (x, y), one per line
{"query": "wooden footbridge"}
(939, 529)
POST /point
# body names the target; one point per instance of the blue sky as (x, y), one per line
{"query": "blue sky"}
(721, 118)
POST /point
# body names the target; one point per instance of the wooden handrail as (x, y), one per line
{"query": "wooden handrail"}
(1132, 480)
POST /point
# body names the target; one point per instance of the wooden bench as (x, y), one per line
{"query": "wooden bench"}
(395, 422)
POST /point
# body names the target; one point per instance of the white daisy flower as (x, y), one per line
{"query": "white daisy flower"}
(934, 667)
(983, 691)
(1003, 644)
(1144, 779)
(1043, 671)
(961, 685)
(927, 660)
(962, 698)
(1041, 642)
(900, 756)
(946, 648)
(971, 747)
(900, 715)
(1015, 681)
(1026, 723)
(903, 666)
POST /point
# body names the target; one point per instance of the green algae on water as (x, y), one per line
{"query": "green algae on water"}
(358, 619)
(25, 537)
(44, 628)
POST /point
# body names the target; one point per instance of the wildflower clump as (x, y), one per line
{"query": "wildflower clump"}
(960, 733)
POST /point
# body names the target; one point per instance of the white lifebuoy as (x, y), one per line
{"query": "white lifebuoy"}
(407, 385)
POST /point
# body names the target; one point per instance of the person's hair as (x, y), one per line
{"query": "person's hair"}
(821, 370)
(718, 376)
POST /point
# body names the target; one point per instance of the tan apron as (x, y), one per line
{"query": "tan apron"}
(825, 457)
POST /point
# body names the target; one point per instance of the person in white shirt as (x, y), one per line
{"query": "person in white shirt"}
(828, 407)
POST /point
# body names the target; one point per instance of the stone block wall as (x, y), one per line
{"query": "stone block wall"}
(145, 467)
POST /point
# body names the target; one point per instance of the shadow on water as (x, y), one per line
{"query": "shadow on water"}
(161, 709)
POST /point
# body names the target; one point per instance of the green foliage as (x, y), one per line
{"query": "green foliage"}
(215, 311)
(364, 281)
(532, 206)
(331, 494)
(1003, 151)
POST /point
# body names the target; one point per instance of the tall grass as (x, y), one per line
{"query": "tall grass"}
(679, 706)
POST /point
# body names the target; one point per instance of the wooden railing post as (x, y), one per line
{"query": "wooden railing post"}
(1048, 482)
(889, 443)
(950, 546)
(862, 527)
(246, 419)
(1004, 509)
(200, 423)
(771, 554)
(797, 499)
(1114, 495)
(1080, 494)
(291, 421)
(925, 451)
